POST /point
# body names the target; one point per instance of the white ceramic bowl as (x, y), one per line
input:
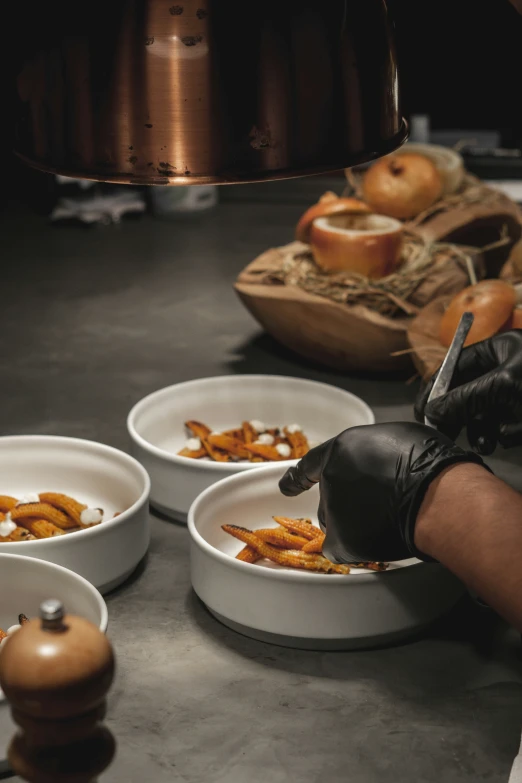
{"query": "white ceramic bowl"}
(24, 583)
(156, 426)
(95, 474)
(299, 608)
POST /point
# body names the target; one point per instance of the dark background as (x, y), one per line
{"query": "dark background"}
(460, 63)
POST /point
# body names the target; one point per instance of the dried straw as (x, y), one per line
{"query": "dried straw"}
(388, 296)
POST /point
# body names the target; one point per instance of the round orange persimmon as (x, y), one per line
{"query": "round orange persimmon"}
(368, 245)
(492, 303)
(515, 320)
(328, 204)
(402, 186)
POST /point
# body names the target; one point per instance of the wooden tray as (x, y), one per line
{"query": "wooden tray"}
(423, 336)
(343, 336)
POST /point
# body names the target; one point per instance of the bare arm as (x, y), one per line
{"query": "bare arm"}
(472, 523)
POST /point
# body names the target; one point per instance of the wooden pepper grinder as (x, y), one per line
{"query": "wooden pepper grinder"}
(56, 672)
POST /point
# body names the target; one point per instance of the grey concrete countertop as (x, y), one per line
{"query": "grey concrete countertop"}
(91, 321)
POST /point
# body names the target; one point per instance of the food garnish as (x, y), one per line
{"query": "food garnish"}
(295, 543)
(254, 441)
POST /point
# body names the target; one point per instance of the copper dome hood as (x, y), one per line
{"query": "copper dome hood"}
(184, 92)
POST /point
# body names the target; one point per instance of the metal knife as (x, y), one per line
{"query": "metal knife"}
(443, 380)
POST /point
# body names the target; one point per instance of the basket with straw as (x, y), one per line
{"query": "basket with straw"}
(347, 321)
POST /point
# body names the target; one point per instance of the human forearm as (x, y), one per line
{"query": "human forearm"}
(472, 523)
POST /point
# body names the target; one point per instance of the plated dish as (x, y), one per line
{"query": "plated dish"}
(222, 404)
(279, 603)
(45, 515)
(294, 543)
(253, 441)
(88, 508)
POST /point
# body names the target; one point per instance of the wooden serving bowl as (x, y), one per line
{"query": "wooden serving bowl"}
(346, 337)
(340, 336)
(423, 336)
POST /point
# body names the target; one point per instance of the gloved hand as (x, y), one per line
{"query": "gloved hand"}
(486, 392)
(372, 481)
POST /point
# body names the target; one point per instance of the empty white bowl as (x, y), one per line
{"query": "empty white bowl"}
(95, 474)
(299, 608)
(156, 426)
(24, 583)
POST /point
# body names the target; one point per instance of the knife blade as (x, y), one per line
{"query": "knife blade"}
(443, 380)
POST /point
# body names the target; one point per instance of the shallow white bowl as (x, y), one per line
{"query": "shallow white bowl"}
(299, 608)
(24, 583)
(156, 426)
(95, 474)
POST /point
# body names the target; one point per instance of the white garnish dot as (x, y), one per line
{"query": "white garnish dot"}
(216, 432)
(91, 516)
(265, 439)
(7, 526)
(294, 428)
(283, 449)
(259, 426)
(193, 444)
(13, 629)
(29, 497)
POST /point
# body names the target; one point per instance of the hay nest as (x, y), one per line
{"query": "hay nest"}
(427, 270)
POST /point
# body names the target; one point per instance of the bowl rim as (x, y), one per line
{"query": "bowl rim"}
(226, 468)
(25, 560)
(94, 446)
(282, 575)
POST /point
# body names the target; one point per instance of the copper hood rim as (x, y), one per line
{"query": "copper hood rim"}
(231, 179)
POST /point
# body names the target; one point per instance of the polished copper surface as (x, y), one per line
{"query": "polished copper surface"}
(205, 91)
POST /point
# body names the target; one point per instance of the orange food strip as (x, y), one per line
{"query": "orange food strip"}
(43, 511)
(202, 452)
(20, 534)
(371, 566)
(315, 545)
(3, 634)
(248, 555)
(266, 452)
(237, 434)
(281, 537)
(197, 429)
(230, 445)
(299, 526)
(214, 453)
(64, 503)
(285, 557)
(7, 503)
(298, 443)
(41, 528)
(249, 433)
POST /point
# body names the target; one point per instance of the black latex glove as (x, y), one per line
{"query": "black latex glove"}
(486, 392)
(372, 481)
